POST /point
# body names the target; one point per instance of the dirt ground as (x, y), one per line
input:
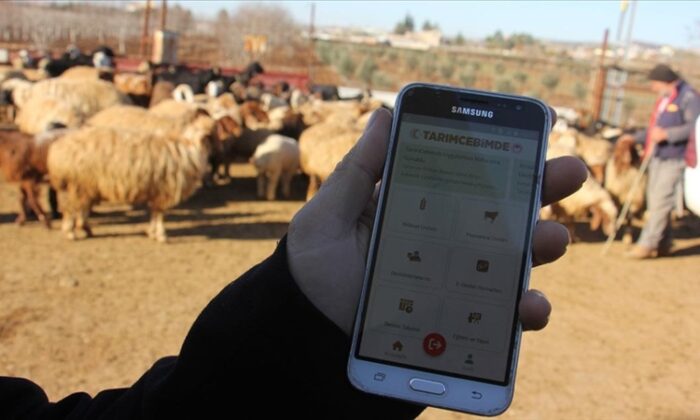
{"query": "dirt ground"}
(623, 341)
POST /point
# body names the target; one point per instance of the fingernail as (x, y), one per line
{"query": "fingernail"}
(538, 293)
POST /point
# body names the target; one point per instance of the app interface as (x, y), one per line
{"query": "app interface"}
(447, 268)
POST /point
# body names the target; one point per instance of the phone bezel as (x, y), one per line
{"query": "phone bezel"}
(494, 397)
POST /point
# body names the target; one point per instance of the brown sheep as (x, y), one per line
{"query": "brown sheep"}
(620, 173)
(23, 160)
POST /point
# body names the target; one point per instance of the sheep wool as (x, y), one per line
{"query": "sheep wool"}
(128, 166)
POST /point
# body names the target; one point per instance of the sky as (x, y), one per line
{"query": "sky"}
(659, 22)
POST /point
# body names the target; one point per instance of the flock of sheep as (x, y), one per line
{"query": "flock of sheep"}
(93, 145)
(613, 171)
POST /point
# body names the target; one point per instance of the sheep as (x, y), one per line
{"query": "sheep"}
(284, 120)
(79, 98)
(81, 73)
(128, 166)
(38, 114)
(173, 109)
(277, 157)
(133, 117)
(593, 151)
(127, 116)
(136, 86)
(23, 160)
(88, 96)
(271, 101)
(620, 173)
(323, 145)
(162, 91)
(592, 197)
(255, 129)
(247, 124)
(17, 90)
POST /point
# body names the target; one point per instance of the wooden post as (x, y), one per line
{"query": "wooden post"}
(163, 14)
(144, 34)
(312, 49)
(600, 80)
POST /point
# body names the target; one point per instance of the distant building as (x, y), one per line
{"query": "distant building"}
(421, 40)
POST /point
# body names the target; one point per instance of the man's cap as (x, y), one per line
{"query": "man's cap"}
(663, 73)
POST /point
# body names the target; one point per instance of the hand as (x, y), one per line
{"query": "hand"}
(328, 238)
(658, 135)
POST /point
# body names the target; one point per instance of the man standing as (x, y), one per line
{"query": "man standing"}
(673, 118)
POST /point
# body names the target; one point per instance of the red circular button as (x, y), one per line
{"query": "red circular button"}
(434, 344)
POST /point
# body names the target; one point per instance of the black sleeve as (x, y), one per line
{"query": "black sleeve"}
(260, 348)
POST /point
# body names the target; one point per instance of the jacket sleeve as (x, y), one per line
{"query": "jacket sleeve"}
(691, 110)
(260, 339)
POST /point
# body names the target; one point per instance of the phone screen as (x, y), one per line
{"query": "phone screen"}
(451, 257)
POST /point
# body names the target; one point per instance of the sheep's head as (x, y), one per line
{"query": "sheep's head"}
(227, 127)
(625, 155)
(201, 130)
(253, 115)
(17, 90)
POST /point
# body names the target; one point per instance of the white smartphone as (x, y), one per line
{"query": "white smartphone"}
(450, 253)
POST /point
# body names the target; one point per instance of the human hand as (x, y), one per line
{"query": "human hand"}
(328, 238)
(658, 134)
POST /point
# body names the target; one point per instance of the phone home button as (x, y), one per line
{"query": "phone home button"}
(423, 385)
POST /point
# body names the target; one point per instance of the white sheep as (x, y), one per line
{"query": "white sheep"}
(42, 113)
(591, 198)
(77, 100)
(276, 159)
(128, 166)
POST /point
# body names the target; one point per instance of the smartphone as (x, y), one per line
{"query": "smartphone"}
(450, 251)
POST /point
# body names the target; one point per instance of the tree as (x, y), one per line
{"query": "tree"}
(550, 81)
(580, 91)
(412, 61)
(406, 25)
(447, 70)
(347, 66)
(467, 78)
(496, 40)
(324, 52)
(505, 86)
(521, 78)
(427, 26)
(459, 39)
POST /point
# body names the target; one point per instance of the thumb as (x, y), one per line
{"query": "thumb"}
(349, 188)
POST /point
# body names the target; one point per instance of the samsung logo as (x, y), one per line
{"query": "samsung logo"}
(472, 112)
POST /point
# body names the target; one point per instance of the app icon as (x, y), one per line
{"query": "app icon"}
(397, 346)
(406, 305)
(414, 256)
(474, 317)
(490, 215)
(434, 344)
(482, 266)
